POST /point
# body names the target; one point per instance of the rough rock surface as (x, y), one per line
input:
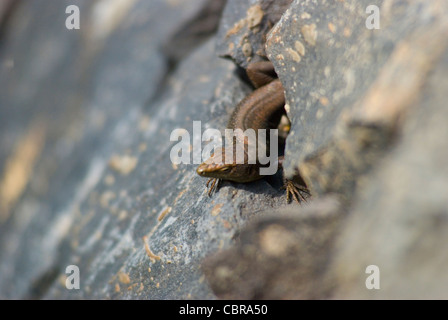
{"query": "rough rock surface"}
(400, 219)
(88, 129)
(86, 177)
(281, 256)
(345, 83)
(360, 102)
(244, 27)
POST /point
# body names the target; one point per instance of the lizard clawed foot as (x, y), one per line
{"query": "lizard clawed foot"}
(297, 192)
(215, 182)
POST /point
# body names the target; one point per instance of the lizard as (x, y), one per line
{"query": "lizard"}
(261, 109)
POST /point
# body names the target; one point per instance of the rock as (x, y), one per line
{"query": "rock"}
(280, 255)
(368, 126)
(343, 83)
(6, 7)
(86, 177)
(87, 127)
(244, 27)
(399, 221)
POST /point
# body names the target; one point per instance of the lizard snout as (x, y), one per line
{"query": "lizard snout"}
(201, 170)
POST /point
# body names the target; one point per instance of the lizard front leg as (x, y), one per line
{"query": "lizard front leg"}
(215, 182)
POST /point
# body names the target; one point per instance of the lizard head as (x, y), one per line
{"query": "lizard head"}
(216, 167)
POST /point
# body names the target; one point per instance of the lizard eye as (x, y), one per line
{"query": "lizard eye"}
(225, 169)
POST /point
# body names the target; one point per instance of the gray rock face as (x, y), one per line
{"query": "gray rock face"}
(360, 102)
(334, 68)
(401, 214)
(88, 129)
(285, 255)
(86, 177)
(244, 27)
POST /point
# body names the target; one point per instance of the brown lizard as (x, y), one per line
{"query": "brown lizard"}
(262, 109)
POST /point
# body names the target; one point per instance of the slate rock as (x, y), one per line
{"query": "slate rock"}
(399, 221)
(368, 126)
(339, 75)
(244, 26)
(280, 255)
(86, 118)
(86, 177)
